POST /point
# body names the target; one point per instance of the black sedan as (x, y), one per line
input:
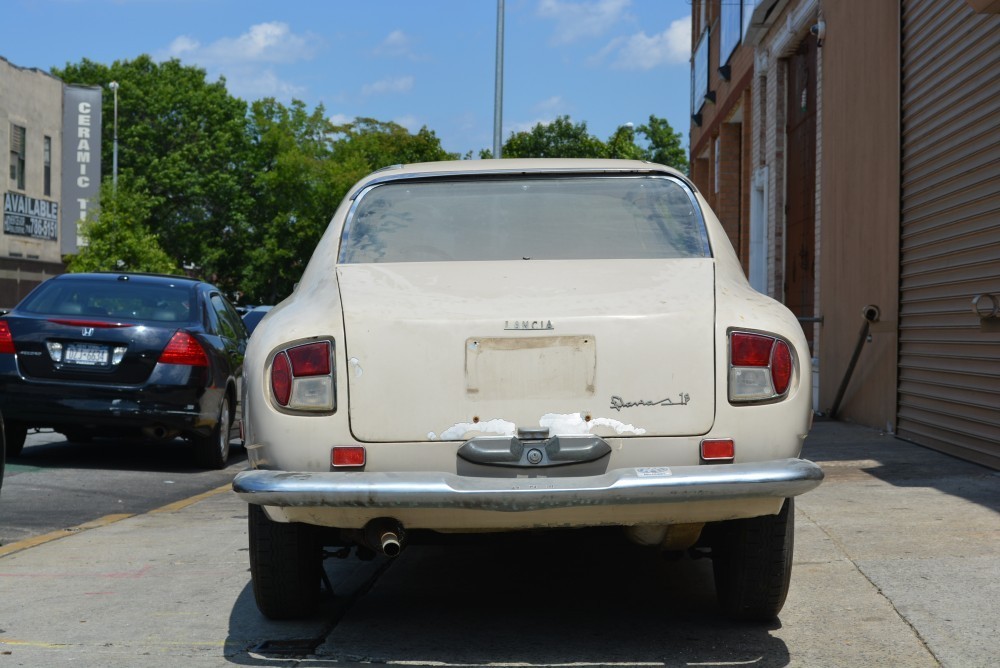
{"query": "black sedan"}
(124, 354)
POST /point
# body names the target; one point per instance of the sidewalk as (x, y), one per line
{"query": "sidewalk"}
(897, 564)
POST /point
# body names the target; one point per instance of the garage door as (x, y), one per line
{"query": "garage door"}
(949, 366)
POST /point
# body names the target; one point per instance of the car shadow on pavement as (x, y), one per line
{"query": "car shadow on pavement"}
(851, 452)
(52, 451)
(519, 602)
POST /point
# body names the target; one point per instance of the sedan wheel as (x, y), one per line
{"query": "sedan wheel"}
(752, 561)
(286, 566)
(212, 451)
(15, 433)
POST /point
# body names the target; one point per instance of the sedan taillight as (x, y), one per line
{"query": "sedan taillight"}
(760, 367)
(184, 349)
(302, 377)
(6, 339)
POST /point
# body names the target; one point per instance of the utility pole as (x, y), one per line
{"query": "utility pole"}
(498, 97)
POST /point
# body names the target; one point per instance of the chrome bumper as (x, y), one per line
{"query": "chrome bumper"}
(426, 490)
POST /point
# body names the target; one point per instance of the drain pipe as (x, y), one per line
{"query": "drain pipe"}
(871, 314)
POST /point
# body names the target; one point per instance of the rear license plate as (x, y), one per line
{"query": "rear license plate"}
(86, 353)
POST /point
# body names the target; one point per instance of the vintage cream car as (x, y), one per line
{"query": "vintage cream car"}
(485, 346)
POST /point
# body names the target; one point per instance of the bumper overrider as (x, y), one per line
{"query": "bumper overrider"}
(635, 495)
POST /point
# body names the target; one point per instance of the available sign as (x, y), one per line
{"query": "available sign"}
(29, 217)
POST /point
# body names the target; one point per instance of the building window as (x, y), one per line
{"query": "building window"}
(17, 135)
(729, 30)
(748, 6)
(699, 74)
(48, 166)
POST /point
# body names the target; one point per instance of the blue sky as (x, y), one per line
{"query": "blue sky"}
(416, 62)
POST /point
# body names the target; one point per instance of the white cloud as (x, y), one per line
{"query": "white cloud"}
(272, 42)
(551, 104)
(340, 119)
(396, 44)
(644, 52)
(245, 61)
(578, 20)
(397, 85)
(254, 84)
(409, 122)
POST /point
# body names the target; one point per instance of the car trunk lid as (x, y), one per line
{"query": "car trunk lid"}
(91, 350)
(459, 349)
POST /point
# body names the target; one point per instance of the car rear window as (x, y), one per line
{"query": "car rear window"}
(550, 218)
(164, 302)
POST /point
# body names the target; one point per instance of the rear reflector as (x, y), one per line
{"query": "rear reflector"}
(184, 349)
(718, 449)
(6, 340)
(347, 455)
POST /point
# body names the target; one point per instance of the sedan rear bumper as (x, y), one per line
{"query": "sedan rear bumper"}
(626, 490)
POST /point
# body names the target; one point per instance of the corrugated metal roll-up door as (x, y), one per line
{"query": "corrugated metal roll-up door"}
(949, 358)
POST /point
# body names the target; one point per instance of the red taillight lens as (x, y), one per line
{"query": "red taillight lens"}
(347, 455)
(6, 339)
(310, 360)
(781, 367)
(718, 449)
(281, 379)
(760, 367)
(97, 324)
(302, 377)
(750, 349)
(184, 349)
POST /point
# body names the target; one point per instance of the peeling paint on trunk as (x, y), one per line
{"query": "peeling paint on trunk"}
(574, 423)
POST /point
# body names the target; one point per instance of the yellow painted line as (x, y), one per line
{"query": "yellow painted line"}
(184, 503)
(35, 541)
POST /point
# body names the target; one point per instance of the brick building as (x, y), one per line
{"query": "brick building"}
(852, 152)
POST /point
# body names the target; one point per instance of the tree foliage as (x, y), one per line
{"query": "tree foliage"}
(117, 238)
(564, 139)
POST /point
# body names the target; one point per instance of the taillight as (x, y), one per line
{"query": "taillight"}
(760, 367)
(184, 349)
(6, 339)
(302, 377)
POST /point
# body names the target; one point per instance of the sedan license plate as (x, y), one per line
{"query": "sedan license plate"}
(86, 353)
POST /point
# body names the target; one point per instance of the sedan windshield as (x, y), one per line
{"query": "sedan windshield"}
(525, 218)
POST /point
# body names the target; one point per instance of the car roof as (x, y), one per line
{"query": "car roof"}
(514, 166)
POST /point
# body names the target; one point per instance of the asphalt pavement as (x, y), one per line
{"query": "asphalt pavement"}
(897, 563)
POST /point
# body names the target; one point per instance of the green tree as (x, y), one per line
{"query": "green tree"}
(295, 189)
(117, 239)
(377, 144)
(665, 145)
(182, 144)
(622, 145)
(559, 139)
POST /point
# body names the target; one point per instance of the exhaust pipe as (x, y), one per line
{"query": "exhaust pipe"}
(386, 536)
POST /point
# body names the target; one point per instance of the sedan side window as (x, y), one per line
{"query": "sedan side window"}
(228, 321)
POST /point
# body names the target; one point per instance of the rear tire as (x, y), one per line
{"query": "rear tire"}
(15, 433)
(212, 451)
(752, 563)
(286, 566)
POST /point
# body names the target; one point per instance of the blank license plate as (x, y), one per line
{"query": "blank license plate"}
(85, 353)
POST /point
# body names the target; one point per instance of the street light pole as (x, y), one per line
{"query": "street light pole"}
(498, 97)
(114, 155)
